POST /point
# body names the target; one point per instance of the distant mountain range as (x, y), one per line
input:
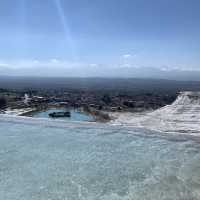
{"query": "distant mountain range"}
(98, 84)
(101, 71)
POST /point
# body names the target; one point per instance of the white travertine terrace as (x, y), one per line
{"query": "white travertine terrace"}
(182, 116)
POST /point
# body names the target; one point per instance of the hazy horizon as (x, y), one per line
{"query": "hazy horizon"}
(136, 73)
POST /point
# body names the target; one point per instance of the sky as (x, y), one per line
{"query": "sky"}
(98, 37)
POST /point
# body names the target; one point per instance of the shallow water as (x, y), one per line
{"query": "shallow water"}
(42, 162)
(75, 115)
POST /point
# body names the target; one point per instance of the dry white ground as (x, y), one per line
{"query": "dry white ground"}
(182, 116)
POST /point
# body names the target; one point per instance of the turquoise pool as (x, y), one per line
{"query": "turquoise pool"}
(75, 115)
(95, 162)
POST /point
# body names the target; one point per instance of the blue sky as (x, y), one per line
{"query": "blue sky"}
(99, 34)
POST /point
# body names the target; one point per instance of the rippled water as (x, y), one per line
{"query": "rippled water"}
(96, 163)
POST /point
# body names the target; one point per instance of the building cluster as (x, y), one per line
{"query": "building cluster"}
(97, 100)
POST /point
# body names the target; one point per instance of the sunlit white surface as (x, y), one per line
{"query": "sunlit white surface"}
(183, 116)
(48, 160)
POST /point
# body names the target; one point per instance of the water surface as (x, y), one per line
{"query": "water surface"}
(75, 114)
(96, 163)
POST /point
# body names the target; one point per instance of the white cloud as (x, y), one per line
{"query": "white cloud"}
(126, 65)
(36, 61)
(54, 60)
(4, 64)
(93, 65)
(126, 55)
(61, 67)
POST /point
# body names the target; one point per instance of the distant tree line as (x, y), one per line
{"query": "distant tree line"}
(3, 102)
(106, 99)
